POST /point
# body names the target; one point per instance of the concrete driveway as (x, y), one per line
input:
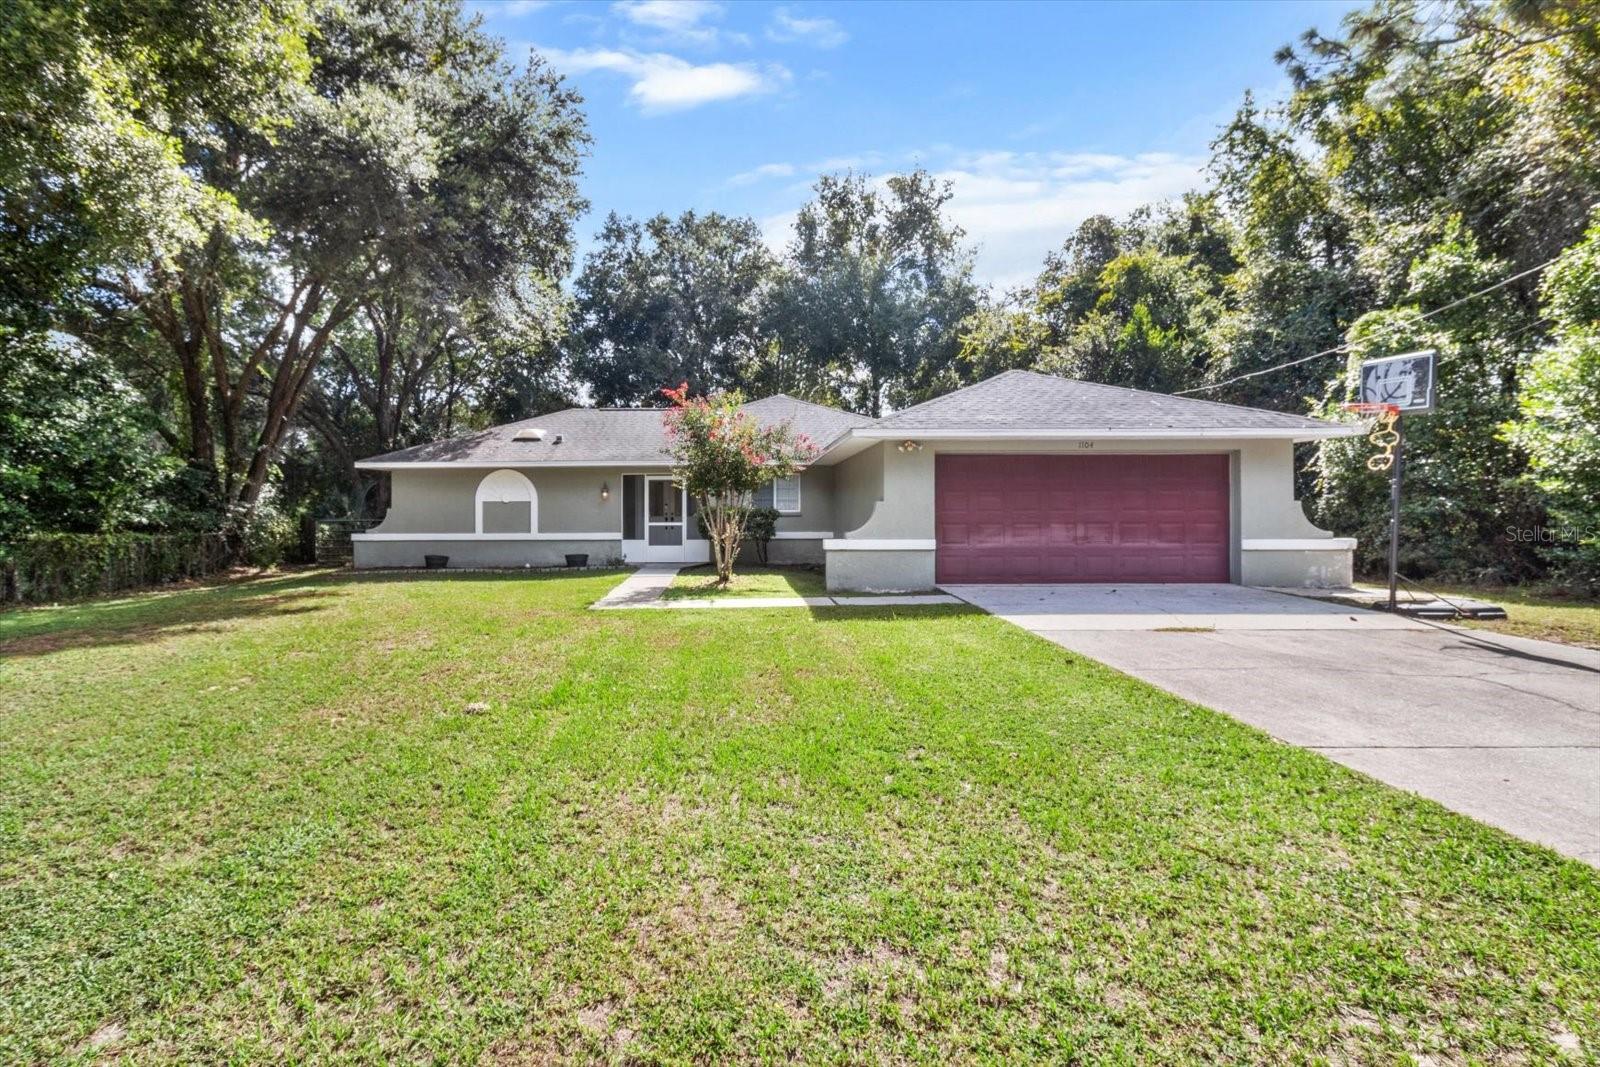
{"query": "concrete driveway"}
(1503, 729)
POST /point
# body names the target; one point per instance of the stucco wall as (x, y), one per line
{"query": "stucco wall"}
(884, 493)
(471, 552)
(440, 501)
(857, 489)
(787, 552)
(1267, 504)
(1298, 569)
(816, 504)
(880, 572)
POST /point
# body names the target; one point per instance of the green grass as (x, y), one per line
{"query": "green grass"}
(464, 818)
(1531, 613)
(1548, 618)
(701, 582)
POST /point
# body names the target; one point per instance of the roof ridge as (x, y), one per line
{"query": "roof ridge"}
(810, 404)
(1058, 378)
(1175, 396)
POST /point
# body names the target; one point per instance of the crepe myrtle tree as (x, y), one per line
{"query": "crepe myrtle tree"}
(722, 455)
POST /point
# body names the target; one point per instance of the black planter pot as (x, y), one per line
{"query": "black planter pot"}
(435, 563)
(577, 559)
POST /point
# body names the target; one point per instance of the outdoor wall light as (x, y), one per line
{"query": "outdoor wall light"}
(605, 490)
(910, 446)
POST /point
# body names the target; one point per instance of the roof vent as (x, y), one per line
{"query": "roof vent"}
(528, 435)
(557, 440)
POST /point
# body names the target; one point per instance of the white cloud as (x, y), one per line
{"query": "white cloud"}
(834, 164)
(1016, 206)
(663, 82)
(790, 28)
(682, 21)
(667, 14)
(766, 170)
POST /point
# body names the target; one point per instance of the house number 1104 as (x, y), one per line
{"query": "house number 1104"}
(1085, 444)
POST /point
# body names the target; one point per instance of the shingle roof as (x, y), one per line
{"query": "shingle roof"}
(609, 435)
(586, 435)
(1020, 400)
(817, 421)
(1017, 402)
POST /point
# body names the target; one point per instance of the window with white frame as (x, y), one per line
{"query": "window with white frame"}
(782, 494)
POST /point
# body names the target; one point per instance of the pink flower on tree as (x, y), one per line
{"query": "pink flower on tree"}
(722, 455)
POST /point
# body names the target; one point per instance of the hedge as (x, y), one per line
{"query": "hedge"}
(43, 568)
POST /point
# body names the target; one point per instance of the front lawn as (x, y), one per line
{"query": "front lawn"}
(701, 582)
(463, 818)
(1548, 618)
(1529, 612)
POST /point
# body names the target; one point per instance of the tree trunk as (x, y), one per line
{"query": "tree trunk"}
(724, 521)
(290, 380)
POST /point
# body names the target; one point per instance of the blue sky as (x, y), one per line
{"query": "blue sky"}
(1041, 114)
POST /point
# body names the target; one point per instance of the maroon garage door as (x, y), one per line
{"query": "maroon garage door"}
(1127, 518)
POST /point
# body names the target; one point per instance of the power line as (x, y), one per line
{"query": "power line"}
(1348, 346)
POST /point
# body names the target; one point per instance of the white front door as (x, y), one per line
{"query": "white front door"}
(664, 509)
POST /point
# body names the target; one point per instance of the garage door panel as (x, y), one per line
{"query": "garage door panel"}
(1097, 568)
(1096, 533)
(1172, 533)
(1133, 533)
(988, 535)
(1081, 518)
(1024, 533)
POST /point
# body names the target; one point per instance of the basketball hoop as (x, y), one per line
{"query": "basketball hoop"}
(1383, 434)
(1388, 387)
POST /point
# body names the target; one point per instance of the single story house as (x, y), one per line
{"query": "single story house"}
(1023, 477)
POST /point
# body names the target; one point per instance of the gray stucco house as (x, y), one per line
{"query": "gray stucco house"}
(1023, 477)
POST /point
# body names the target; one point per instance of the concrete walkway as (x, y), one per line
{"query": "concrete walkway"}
(1503, 729)
(643, 589)
(897, 600)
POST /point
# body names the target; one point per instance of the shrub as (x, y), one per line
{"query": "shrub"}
(759, 526)
(267, 538)
(46, 567)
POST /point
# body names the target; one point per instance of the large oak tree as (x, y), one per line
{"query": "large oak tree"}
(875, 286)
(415, 164)
(667, 301)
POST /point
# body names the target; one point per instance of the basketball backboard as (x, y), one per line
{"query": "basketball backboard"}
(1406, 381)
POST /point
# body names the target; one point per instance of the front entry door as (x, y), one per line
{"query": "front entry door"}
(663, 521)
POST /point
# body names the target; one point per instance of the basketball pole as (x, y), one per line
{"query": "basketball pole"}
(1394, 514)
